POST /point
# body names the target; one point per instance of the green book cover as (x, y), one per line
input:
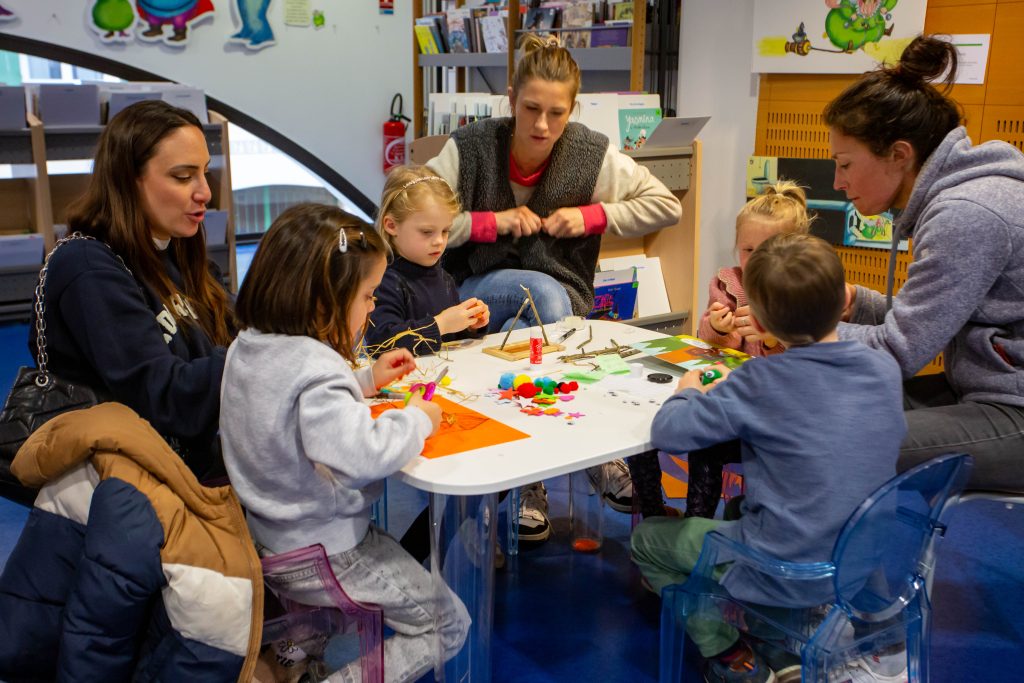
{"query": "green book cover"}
(635, 125)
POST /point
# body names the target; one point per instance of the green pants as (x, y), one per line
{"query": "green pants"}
(666, 550)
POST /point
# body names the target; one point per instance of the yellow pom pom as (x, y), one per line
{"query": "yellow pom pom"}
(446, 380)
(520, 380)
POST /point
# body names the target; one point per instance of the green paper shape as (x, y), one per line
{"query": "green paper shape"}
(613, 364)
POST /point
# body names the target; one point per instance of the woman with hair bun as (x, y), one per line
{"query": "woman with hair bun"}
(898, 144)
(538, 192)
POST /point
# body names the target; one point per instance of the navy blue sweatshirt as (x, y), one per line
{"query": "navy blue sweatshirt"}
(106, 330)
(408, 298)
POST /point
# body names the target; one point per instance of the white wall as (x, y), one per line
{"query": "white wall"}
(328, 90)
(715, 80)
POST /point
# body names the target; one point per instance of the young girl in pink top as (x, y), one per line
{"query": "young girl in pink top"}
(782, 207)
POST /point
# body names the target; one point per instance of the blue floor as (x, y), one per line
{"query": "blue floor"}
(561, 616)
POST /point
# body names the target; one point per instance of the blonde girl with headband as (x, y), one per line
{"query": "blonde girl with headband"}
(304, 454)
(538, 192)
(416, 294)
(781, 208)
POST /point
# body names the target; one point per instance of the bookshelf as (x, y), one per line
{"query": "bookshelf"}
(50, 167)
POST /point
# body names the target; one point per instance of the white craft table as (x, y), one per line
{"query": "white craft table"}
(464, 486)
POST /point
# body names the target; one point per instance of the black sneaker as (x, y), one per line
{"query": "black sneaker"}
(533, 513)
(752, 669)
(612, 480)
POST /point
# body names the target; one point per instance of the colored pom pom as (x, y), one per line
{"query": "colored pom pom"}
(527, 390)
(504, 383)
(521, 380)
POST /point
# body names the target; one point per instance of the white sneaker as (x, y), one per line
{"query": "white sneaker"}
(533, 513)
(613, 481)
(867, 670)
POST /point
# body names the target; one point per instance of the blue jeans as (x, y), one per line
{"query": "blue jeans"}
(500, 290)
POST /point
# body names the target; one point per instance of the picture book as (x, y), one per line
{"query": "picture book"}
(539, 19)
(425, 39)
(622, 10)
(577, 16)
(635, 125)
(690, 353)
(495, 37)
(611, 34)
(456, 22)
(435, 22)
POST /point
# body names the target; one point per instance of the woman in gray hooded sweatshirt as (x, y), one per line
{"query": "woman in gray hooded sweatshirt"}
(898, 144)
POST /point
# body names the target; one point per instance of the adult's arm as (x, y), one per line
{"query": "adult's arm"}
(634, 201)
(118, 335)
(960, 248)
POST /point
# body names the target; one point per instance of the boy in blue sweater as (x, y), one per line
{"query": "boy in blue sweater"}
(820, 427)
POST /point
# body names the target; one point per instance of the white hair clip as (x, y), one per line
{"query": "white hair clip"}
(342, 241)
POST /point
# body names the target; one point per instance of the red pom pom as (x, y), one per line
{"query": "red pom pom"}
(574, 385)
(527, 390)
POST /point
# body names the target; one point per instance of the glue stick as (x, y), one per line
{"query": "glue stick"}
(536, 346)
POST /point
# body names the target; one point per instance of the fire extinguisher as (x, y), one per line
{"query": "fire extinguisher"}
(394, 136)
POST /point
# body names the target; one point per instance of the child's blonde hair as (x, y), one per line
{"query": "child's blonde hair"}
(546, 59)
(405, 191)
(784, 202)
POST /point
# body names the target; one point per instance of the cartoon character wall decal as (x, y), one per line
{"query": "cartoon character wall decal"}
(180, 15)
(255, 32)
(112, 19)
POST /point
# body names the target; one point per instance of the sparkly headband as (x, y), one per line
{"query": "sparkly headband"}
(424, 179)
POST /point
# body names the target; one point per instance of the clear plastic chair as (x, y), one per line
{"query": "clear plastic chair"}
(331, 628)
(878, 575)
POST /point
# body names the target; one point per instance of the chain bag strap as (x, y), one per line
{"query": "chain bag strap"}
(37, 394)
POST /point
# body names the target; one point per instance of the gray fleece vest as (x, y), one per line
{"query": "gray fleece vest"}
(569, 180)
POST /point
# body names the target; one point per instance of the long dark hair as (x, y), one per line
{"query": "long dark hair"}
(899, 103)
(300, 283)
(111, 210)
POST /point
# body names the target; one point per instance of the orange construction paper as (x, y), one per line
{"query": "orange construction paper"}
(462, 429)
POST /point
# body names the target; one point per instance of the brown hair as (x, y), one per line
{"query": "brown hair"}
(300, 283)
(784, 202)
(898, 103)
(111, 210)
(405, 191)
(546, 59)
(796, 287)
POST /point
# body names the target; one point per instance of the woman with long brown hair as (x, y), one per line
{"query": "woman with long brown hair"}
(131, 308)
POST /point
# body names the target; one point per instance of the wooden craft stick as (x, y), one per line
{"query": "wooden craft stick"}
(513, 326)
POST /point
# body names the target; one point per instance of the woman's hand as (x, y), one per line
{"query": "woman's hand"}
(692, 379)
(391, 366)
(432, 410)
(462, 316)
(564, 223)
(518, 222)
(721, 318)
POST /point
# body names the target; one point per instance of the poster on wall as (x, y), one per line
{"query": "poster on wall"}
(253, 28)
(835, 219)
(832, 36)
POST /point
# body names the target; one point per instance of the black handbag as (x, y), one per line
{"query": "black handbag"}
(37, 395)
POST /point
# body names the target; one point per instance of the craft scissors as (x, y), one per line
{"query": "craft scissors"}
(426, 389)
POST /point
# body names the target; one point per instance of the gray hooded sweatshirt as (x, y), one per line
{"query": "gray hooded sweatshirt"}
(964, 292)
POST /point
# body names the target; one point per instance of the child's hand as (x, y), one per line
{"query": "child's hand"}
(483, 316)
(692, 379)
(391, 366)
(432, 410)
(721, 318)
(518, 222)
(461, 316)
(747, 327)
(565, 222)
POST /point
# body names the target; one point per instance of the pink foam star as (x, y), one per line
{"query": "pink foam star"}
(573, 416)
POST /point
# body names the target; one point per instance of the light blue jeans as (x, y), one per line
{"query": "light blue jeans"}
(500, 290)
(380, 572)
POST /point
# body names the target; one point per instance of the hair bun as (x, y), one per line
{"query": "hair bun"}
(925, 59)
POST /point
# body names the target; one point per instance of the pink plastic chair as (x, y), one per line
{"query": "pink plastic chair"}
(304, 623)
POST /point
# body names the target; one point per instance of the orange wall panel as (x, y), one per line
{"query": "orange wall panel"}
(1006, 60)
